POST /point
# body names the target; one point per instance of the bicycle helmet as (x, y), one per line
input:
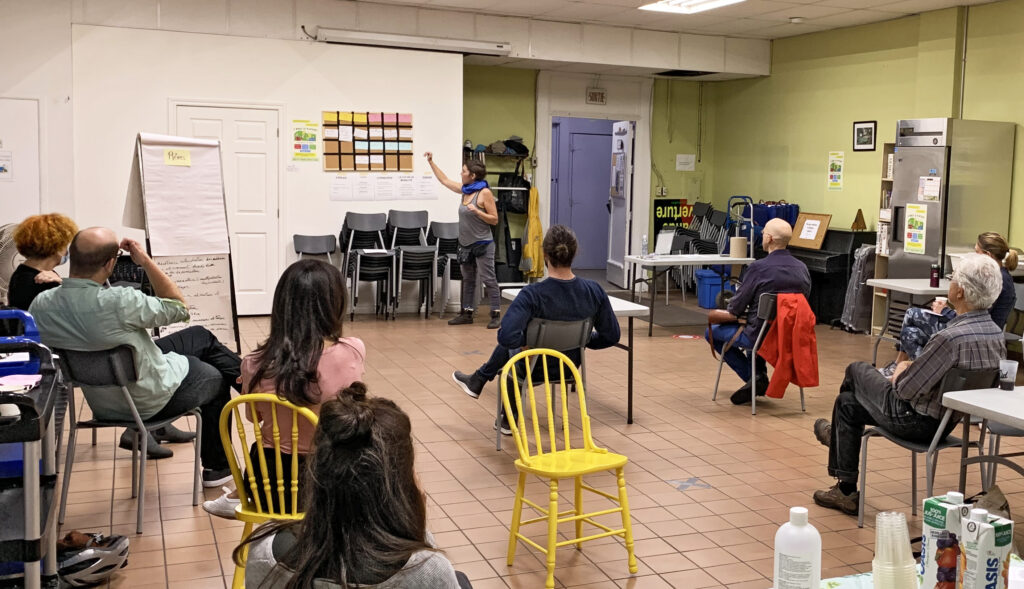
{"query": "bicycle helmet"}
(101, 557)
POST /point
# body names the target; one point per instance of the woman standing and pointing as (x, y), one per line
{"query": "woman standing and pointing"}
(477, 213)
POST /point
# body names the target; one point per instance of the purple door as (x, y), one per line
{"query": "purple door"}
(581, 168)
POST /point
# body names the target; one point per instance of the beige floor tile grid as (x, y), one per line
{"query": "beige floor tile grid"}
(744, 472)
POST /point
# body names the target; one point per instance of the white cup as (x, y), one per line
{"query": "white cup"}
(941, 300)
(1007, 374)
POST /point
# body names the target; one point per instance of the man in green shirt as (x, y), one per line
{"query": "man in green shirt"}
(176, 373)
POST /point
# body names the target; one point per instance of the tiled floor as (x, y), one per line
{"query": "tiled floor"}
(708, 483)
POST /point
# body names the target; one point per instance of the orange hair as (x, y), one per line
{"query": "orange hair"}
(42, 236)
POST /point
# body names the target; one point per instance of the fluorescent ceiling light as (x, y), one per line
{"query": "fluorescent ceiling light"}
(413, 42)
(687, 6)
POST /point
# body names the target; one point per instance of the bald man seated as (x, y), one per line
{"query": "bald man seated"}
(179, 372)
(777, 273)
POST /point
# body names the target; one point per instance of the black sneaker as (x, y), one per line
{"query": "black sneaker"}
(504, 427)
(823, 431)
(471, 384)
(742, 394)
(215, 478)
(154, 451)
(464, 317)
(173, 435)
(495, 321)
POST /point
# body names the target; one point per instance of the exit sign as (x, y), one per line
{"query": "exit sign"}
(597, 96)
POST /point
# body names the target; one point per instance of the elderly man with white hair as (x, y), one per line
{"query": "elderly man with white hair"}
(909, 404)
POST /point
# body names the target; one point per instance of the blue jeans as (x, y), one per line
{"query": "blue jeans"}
(737, 356)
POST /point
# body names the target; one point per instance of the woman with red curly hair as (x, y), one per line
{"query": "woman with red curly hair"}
(44, 241)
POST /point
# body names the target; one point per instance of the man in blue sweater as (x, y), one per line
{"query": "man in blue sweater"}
(562, 296)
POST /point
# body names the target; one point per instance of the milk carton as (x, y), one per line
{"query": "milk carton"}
(940, 539)
(985, 545)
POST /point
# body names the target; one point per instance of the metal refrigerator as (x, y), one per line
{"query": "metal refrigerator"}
(951, 181)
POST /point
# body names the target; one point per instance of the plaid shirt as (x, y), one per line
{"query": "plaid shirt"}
(971, 341)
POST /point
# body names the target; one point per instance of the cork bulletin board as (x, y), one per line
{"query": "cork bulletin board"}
(810, 230)
(367, 141)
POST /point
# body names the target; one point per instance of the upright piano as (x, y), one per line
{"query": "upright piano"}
(830, 269)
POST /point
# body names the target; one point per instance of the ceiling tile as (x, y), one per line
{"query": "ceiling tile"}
(787, 30)
(585, 12)
(856, 17)
(750, 8)
(855, 3)
(735, 26)
(807, 11)
(914, 6)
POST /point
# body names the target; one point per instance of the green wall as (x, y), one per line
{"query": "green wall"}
(677, 114)
(772, 135)
(994, 88)
(498, 102)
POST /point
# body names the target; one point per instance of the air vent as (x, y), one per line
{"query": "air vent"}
(682, 73)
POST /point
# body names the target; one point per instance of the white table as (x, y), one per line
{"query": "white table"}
(912, 286)
(1006, 407)
(621, 308)
(667, 262)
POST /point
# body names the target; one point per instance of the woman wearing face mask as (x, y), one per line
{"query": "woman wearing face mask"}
(44, 241)
(477, 214)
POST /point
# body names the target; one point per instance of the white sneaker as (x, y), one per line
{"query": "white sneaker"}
(222, 506)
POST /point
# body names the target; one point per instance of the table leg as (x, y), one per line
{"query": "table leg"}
(963, 453)
(32, 506)
(650, 319)
(629, 374)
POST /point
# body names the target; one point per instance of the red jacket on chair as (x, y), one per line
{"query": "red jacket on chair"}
(791, 346)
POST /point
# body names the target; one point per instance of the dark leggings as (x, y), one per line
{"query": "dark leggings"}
(286, 467)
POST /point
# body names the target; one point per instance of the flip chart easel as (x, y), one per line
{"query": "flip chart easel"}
(176, 194)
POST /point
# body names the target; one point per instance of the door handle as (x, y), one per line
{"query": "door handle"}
(897, 225)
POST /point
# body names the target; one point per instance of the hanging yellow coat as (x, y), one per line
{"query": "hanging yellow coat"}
(532, 262)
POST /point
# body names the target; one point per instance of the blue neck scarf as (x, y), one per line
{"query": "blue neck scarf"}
(474, 186)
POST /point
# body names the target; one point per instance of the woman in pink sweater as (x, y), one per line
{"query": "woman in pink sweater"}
(305, 361)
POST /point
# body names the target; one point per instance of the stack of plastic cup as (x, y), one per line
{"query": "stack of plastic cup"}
(894, 566)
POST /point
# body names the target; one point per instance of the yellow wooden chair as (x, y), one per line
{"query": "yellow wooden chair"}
(251, 509)
(555, 464)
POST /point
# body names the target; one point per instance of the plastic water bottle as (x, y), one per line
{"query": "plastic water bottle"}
(797, 553)
(643, 246)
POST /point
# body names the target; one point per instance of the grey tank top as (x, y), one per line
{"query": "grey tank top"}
(471, 227)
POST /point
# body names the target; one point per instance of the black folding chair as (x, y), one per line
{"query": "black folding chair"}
(446, 237)
(367, 260)
(407, 231)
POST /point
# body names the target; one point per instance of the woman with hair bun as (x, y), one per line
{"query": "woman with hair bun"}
(562, 296)
(304, 361)
(44, 241)
(366, 517)
(919, 324)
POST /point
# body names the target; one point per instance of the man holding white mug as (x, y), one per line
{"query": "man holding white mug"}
(909, 403)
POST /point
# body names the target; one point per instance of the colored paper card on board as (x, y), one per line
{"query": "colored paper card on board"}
(376, 146)
(391, 133)
(376, 159)
(359, 118)
(405, 119)
(376, 133)
(177, 157)
(405, 146)
(391, 146)
(360, 133)
(362, 145)
(374, 117)
(390, 118)
(405, 133)
(330, 116)
(345, 117)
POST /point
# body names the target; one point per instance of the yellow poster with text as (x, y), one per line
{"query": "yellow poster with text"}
(914, 229)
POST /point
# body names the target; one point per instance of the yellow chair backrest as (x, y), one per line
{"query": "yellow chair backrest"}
(247, 485)
(526, 420)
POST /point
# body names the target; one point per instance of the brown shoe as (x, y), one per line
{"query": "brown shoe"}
(835, 499)
(823, 431)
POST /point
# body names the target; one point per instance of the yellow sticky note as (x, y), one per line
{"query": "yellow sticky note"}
(177, 157)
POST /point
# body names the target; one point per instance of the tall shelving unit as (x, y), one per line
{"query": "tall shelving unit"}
(878, 307)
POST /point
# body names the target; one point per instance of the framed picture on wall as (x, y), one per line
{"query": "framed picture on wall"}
(864, 135)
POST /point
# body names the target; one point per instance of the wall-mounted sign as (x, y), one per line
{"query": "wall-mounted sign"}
(597, 96)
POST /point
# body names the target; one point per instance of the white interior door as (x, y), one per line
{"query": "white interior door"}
(620, 203)
(249, 149)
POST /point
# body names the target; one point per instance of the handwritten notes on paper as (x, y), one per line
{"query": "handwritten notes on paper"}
(206, 283)
(177, 157)
(381, 187)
